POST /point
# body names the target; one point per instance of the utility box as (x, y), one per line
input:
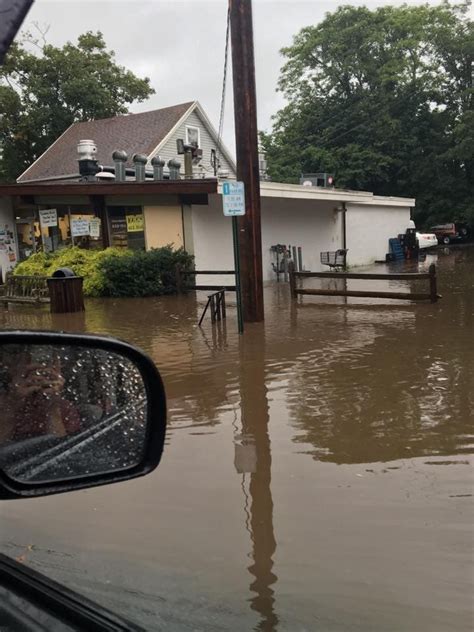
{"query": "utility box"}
(66, 292)
(323, 179)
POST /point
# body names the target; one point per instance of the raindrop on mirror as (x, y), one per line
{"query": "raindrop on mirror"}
(68, 412)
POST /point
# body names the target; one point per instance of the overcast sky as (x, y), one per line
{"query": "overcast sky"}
(179, 44)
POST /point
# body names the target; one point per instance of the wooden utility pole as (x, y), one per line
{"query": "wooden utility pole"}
(246, 135)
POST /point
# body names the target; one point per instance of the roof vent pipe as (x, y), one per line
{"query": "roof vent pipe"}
(158, 163)
(88, 166)
(120, 158)
(86, 150)
(139, 160)
(174, 166)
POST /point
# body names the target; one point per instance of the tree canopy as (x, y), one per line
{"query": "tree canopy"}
(42, 94)
(384, 100)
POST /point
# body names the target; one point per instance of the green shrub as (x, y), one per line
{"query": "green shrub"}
(84, 263)
(113, 271)
(36, 265)
(149, 273)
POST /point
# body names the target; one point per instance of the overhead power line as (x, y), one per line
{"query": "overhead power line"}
(224, 86)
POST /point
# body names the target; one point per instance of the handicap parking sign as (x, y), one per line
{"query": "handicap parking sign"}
(233, 198)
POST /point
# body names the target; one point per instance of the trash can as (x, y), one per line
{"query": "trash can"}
(66, 292)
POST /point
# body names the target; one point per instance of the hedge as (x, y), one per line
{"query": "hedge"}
(114, 271)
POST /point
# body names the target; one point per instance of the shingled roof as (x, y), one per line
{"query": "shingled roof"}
(134, 133)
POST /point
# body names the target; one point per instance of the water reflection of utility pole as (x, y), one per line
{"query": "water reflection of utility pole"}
(253, 457)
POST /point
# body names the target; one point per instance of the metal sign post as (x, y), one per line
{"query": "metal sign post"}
(238, 294)
(233, 202)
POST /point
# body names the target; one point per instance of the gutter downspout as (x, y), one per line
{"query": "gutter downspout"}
(344, 229)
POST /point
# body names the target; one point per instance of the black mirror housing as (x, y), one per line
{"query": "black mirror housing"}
(44, 460)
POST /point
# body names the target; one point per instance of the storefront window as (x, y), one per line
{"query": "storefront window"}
(127, 229)
(50, 228)
(25, 230)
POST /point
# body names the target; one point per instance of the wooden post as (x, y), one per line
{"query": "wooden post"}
(100, 211)
(213, 308)
(246, 135)
(300, 258)
(433, 283)
(178, 278)
(223, 307)
(70, 225)
(295, 260)
(291, 270)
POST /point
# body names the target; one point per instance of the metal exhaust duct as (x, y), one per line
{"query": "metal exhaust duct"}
(139, 160)
(188, 162)
(157, 163)
(174, 166)
(86, 157)
(120, 158)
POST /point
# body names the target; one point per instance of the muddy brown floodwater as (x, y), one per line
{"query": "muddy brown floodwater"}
(317, 473)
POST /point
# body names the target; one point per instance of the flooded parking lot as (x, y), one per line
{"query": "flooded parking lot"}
(317, 473)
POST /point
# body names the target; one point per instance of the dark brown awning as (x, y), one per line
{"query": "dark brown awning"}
(164, 187)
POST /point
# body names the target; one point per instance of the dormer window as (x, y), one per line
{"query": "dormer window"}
(193, 136)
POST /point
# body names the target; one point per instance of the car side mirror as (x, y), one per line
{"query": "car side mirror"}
(76, 411)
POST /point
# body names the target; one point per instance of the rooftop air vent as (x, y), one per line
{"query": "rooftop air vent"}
(120, 158)
(139, 161)
(88, 166)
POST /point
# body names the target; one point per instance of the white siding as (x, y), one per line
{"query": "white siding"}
(7, 229)
(212, 238)
(313, 225)
(168, 151)
(369, 228)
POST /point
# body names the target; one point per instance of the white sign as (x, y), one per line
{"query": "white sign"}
(79, 227)
(94, 227)
(48, 217)
(233, 198)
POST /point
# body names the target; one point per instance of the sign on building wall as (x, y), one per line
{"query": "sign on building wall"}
(94, 227)
(79, 227)
(7, 242)
(7, 249)
(118, 227)
(48, 218)
(135, 223)
(233, 198)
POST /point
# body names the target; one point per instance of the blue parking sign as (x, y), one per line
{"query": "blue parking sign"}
(233, 198)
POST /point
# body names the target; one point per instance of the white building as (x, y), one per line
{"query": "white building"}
(314, 218)
(186, 212)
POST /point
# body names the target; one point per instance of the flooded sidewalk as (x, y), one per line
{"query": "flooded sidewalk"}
(317, 473)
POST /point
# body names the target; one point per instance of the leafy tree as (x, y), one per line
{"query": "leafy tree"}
(41, 95)
(384, 99)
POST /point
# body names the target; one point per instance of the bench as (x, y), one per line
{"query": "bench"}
(335, 259)
(24, 289)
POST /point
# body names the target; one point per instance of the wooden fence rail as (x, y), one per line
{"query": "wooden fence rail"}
(432, 296)
(181, 274)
